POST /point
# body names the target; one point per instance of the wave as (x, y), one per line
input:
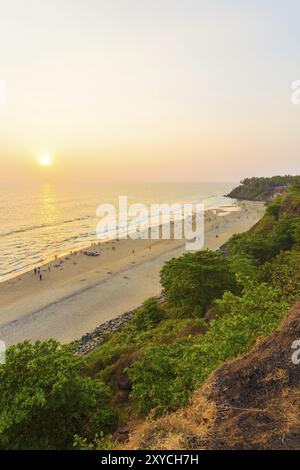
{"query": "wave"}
(36, 227)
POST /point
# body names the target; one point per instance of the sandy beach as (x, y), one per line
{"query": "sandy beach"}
(85, 291)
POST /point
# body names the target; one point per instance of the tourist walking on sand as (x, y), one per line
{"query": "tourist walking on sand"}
(41, 277)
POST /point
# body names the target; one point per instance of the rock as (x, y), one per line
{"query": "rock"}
(94, 338)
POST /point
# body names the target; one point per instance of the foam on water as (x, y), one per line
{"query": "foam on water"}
(48, 220)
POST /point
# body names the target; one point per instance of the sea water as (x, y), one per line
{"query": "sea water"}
(42, 221)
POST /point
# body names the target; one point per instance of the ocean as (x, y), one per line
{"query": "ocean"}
(43, 221)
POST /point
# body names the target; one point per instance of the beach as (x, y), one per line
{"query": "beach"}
(84, 291)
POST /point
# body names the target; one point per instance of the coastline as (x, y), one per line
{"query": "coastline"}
(21, 256)
(86, 292)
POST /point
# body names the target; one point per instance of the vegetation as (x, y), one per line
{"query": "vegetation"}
(163, 380)
(266, 263)
(193, 280)
(215, 309)
(262, 189)
(99, 442)
(148, 316)
(108, 361)
(277, 231)
(44, 401)
(283, 273)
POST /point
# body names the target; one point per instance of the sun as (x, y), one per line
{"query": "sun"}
(45, 160)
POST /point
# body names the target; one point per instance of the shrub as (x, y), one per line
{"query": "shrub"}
(283, 233)
(273, 209)
(164, 378)
(269, 238)
(253, 245)
(244, 264)
(99, 442)
(44, 401)
(194, 280)
(283, 273)
(148, 315)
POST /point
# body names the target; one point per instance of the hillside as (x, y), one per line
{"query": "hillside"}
(251, 402)
(211, 336)
(262, 189)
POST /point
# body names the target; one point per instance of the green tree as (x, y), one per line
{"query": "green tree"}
(148, 315)
(44, 401)
(164, 378)
(194, 280)
(244, 264)
(283, 273)
(283, 235)
(252, 244)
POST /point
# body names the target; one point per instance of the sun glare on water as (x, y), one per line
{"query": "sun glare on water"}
(45, 160)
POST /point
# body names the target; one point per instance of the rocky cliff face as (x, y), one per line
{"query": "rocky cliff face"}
(249, 193)
(252, 402)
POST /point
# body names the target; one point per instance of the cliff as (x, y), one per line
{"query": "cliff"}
(262, 189)
(251, 402)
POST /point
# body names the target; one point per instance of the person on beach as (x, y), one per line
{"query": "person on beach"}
(41, 277)
(35, 271)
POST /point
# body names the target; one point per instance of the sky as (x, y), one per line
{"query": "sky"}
(156, 90)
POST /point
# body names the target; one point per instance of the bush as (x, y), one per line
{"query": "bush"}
(269, 238)
(283, 234)
(244, 264)
(99, 442)
(194, 280)
(161, 380)
(283, 273)
(273, 209)
(44, 401)
(164, 378)
(148, 315)
(253, 245)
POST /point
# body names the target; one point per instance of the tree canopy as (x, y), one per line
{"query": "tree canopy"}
(194, 280)
(44, 401)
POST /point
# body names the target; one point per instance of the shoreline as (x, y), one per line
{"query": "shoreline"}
(85, 292)
(44, 261)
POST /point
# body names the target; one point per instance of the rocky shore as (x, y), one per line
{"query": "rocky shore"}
(94, 338)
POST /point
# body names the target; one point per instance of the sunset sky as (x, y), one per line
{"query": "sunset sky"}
(156, 90)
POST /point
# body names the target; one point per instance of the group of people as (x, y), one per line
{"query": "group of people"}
(37, 272)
